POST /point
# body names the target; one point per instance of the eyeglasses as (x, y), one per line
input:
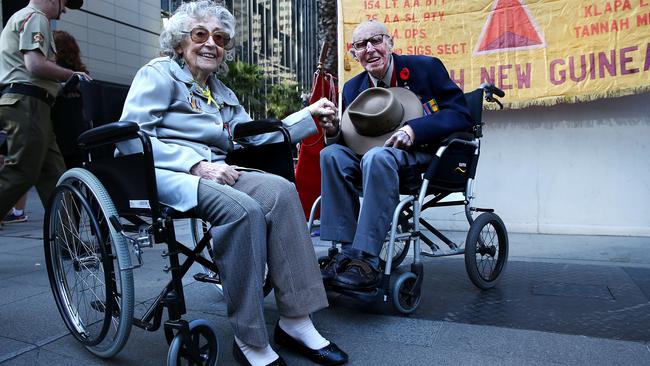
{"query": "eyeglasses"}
(375, 40)
(201, 35)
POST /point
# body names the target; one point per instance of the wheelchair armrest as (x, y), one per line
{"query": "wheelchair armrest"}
(109, 133)
(256, 127)
(466, 136)
(466, 141)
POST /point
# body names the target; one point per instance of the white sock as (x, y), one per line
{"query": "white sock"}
(18, 212)
(303, 329)
(257, 355)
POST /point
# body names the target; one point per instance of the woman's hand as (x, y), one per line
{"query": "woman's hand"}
(327, 114)
(221, 173)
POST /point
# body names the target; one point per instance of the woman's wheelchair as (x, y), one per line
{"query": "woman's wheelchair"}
(99, 219)
(452, 170)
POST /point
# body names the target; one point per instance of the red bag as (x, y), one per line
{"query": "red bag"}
(308, 166)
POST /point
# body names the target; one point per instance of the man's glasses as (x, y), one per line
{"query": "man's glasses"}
(375, 40)
(201, 35)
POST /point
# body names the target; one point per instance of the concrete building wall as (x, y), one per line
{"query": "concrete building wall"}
(116, 37)
(567, 169)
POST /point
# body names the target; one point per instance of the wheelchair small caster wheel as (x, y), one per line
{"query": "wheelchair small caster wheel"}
(406, 298)
(201, 349)
(486, 250)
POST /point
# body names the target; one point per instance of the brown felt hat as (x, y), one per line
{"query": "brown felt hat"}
(74, 4)
(375, 115)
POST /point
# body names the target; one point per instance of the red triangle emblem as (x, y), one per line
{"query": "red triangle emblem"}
(509, 26)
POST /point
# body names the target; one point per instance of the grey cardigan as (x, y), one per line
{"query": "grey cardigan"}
(184, 128)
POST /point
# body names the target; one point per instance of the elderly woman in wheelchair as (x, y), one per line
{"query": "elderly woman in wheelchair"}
(186, 119)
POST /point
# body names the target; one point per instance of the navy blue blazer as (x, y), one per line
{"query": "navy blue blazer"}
(429, 80)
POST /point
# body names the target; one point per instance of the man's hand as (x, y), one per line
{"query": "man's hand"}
(219, 172)
(83, 76)
(327, 114)
(401, 139)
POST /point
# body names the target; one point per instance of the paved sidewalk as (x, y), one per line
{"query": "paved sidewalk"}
(564, 300)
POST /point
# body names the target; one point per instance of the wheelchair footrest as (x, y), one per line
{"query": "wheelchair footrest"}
(204, 277)
(369, 295)
(443, 252)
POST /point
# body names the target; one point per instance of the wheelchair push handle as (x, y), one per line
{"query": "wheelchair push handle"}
(70, 85)
(490, 91)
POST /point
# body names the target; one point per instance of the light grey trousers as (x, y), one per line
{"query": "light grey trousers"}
(345, 177)
(259, 221)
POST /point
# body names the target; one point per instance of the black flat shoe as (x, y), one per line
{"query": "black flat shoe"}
(242, 360)
(328, 355)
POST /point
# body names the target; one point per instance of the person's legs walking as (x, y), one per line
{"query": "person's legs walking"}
(28, 144)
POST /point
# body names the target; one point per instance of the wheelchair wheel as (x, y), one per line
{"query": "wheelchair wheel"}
(486, 250)
(88, 264)
(400, 249)
(203, 340)
(198, 229)
(405, 298)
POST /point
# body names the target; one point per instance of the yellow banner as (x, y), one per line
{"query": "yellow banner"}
(540, 52)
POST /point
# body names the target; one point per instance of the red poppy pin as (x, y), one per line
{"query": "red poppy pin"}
(404, 75)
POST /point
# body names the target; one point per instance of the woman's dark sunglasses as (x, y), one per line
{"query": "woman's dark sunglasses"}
(375, 40)
(201, 35)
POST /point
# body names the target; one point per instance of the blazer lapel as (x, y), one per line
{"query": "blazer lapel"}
(397, 67)
(364, 84)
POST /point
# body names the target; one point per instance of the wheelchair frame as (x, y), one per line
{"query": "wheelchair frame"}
(82, 196)
(405, 290)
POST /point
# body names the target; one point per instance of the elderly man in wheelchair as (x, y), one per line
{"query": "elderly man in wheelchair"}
(406, 128)
(173, 162)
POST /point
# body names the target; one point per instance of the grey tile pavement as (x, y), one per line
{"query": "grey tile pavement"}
(32, 333)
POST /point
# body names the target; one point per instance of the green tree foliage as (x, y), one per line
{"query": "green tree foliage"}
(247, 82)
(283, 99)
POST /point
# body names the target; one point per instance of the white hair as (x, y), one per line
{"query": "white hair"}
(378, 26)
(176, 28)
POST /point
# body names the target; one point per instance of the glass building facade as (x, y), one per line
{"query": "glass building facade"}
(279, 36)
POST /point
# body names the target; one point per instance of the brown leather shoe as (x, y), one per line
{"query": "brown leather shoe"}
(335, 265)
(358, 275)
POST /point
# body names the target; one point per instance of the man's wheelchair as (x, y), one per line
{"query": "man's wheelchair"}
(99, 219)
(452, 170)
